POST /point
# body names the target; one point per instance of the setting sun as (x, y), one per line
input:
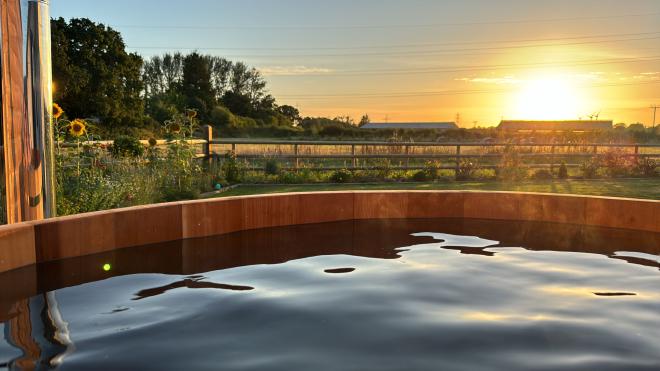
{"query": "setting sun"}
(549, 98)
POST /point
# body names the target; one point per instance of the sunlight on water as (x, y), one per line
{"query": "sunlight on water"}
(357, 295)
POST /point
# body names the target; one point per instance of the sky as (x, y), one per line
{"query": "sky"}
(471, 61)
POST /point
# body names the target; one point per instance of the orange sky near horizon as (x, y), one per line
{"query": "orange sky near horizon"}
(418, 60)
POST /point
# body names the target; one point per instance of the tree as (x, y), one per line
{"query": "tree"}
(290, 112)
(364, 121)
(196, 85)
(95, 75)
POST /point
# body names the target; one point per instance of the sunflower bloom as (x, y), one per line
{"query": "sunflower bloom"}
(153, 142)
(77, 128)
(57, 111)
(175, 128)
(191, 113)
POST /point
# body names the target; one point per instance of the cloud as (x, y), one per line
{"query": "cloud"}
(587, 77)
(505, 80)
(293, 70)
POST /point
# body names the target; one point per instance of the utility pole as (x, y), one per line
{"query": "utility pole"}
(655, 109)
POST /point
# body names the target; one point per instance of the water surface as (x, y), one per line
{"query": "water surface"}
(369, 295)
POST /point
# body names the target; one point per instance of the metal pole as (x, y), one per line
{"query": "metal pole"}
(27, 110)
(40, 94)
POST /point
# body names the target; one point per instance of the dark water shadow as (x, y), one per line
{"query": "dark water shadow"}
(190, 283)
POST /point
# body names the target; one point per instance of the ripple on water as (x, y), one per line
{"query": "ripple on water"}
(371, 295)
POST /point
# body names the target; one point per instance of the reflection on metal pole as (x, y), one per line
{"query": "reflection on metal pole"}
(41, 334)
(40, 98)
(27, 109)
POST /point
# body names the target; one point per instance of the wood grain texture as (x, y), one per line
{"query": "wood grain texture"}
(61, 238)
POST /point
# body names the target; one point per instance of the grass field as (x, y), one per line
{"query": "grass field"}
(630, 188)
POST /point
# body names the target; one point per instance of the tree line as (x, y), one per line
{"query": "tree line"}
(121, 93)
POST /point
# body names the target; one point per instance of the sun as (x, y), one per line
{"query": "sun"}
(549, 98)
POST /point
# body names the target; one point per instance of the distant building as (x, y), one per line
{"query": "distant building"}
(411, 125)
(577, 125)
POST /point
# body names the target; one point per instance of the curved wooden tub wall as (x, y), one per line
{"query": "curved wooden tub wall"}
(29, 243)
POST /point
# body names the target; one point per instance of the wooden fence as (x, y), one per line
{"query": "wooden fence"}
(358, 154)
(364, 155)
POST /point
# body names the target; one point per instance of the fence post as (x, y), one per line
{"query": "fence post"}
(458, 160)
(552, 159)
(295, 153)
(207, 135)
(407, 158)
(354, 158)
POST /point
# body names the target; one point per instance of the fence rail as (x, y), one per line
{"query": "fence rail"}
(357, 154)
(298, 153)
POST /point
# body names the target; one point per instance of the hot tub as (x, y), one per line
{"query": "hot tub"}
(348, 281)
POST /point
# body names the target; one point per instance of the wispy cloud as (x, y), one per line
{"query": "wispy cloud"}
(587, 77)
(504, 80)
(293, 70)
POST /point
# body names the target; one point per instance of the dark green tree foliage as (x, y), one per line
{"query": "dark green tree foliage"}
(196, 84)
(94, 75)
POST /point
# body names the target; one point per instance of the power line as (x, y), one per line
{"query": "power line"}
(384, 26)
(407, 53)
(477, 68)
(655, 109)
(425, 45)
(438, 93)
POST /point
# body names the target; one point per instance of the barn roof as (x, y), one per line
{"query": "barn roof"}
(411, 125)
(565, 125)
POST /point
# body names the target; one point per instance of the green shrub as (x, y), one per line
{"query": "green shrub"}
(543, 174)
(230, 168)
(384, 168)
(466, 170)
(421, 176)
(288, 177)
(647, 167)
(618, 163)
(341, 176)
(432, 169)
(563, 171)
(511, 165)
(590, 168)
(126, 146)
(272, 167)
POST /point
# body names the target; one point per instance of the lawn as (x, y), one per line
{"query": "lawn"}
(630, 188)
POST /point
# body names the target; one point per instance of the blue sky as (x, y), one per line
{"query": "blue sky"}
(314, 53)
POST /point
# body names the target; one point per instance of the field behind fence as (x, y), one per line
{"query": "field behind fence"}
(332, 155)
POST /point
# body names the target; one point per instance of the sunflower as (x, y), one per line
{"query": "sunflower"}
(191, 113)
(175, 128)
(57, 111)
(77, 128)
(153, 142)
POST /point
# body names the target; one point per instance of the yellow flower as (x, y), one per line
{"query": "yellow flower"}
(57, 111)
(77, 128)
(175, 128)
(191, 113)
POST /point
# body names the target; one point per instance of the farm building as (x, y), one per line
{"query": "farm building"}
(411, 125)
(576, 125)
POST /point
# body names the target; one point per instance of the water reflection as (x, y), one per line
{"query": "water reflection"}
(491, 281)
(39, 332)
(195, 282)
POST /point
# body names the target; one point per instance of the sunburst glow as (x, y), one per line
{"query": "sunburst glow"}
(549, 98)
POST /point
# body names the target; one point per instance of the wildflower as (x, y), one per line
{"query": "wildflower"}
(153, 142)
(191, 113)
(77, 128)
(57, 111)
